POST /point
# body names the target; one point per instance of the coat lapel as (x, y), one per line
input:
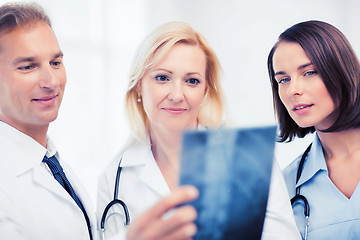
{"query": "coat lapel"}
(47, 181)
(152, 176)
(82, 194)
(140, 155)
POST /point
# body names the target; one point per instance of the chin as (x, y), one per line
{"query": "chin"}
(176, 127)
(49, 118)
(305, 126)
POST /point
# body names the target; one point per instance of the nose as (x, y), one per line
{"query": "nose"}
(48, 78)
(176, 93)
(295, 88)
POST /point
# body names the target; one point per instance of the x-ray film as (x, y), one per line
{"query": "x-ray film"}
(232, 170)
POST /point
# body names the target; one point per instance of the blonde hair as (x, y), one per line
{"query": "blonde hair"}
(151, 51)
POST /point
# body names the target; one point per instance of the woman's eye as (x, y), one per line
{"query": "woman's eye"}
(284, 80)
(162, 78)
(193, 81)
(310, 73)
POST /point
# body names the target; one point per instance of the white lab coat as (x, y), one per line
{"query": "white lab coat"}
(142, 185)
(33, 205)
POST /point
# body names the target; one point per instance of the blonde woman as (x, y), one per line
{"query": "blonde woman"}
(174, 86)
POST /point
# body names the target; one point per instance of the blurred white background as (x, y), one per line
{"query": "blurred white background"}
(99, 38)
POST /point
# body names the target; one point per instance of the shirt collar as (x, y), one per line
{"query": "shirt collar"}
(51, 149)
(314, 162)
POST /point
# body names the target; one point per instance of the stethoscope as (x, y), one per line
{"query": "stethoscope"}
(114, 202)
(298, 196)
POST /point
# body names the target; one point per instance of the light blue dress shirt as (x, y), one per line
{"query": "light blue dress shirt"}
(332, 214)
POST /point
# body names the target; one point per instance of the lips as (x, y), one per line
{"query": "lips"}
(45, 101)
(175, 110)
(302, 106)
(46, 98)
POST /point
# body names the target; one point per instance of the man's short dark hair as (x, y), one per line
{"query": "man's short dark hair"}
(13, 15)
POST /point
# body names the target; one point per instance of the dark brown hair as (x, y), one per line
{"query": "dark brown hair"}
(336, 62)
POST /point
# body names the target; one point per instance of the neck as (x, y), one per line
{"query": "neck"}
(340, 144)
(39, 134)
(166, 147)
(36, 132)
(40, 137)
(342, 156)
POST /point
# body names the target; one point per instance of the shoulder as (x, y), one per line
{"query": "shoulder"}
(291, 169)
(129, 155)
(289, 173)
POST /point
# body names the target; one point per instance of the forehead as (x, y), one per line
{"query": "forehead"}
(184, 53)
(289, 54)
(31, 39)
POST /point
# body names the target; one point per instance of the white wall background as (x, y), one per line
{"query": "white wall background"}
(99, 38)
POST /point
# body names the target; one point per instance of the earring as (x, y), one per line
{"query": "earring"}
(138, 97)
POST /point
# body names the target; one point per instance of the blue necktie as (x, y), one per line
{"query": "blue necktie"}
(60, 176)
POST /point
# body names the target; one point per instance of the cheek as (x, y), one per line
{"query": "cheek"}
(63, 79)
(61, 76)
(283, 95)
(148, 93)
(151, 97)
(327, 100)
(320, 91)
(196, 98)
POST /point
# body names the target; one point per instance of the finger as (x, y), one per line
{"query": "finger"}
(151, 223)
(160, 228)
(181, 217)
(185, 232)
(181, 195)
(175, 225)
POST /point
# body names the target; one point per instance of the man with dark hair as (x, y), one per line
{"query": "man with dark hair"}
(40, 198)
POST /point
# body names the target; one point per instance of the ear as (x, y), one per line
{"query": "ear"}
(205, 92)
(138, 88)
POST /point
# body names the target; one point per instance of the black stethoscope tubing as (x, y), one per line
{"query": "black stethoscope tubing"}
(300, 197)
(115, 201)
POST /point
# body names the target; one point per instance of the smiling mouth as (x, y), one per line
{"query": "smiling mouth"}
(302, 107)
(45, 99)
(174, 109)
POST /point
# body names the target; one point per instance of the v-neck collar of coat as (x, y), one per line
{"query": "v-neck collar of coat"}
(139, 155)
(314, 162)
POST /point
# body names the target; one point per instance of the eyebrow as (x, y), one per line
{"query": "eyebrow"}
(193, 73)
(299, 68)
(162, 69)
(32, 59)
(304, 65)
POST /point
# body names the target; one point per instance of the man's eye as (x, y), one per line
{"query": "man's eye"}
(55, 63)
(27, 67)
